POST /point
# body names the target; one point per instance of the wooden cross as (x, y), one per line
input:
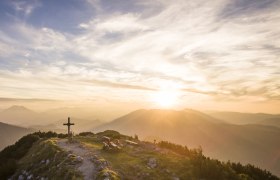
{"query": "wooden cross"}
(68, 124)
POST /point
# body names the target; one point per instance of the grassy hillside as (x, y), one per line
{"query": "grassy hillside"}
(9, 134)
(39, 156)
(256, 144)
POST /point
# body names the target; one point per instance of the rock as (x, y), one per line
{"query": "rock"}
(70, 155)
(20, 177)
(99, 168)
(47, 161)
(79, 159)
(152, 163)
(43, 161)
(30, 177)
(106, 174)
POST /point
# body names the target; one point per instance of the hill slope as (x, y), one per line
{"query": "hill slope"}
(9, 134)
(254, 144)
(247, 118)
(45, 156)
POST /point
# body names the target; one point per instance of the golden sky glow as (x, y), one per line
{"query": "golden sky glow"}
(221, 54)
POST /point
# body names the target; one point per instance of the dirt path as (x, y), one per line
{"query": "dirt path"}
(86, 167)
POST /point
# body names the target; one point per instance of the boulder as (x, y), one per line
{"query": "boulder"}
(20, 177)
(30, 177)
(79, 159)
(152, 163)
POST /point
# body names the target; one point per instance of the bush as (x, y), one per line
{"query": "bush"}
(110, 133)
(86, 134)
(50, 134)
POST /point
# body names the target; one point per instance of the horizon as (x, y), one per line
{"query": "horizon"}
(163, 109)
(124, 55)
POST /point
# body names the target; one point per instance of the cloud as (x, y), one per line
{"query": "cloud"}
(118, 23)
(221, 48)
(25, 7)
(4, 99)
(236, 8)
(118, 85)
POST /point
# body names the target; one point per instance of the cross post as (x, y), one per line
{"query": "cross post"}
(69, 124)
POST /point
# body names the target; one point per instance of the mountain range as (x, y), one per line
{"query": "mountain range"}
(243, 137)
(247, 118)
(249, 143)
(48, 120)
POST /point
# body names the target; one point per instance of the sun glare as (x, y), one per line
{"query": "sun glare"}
(165, 99)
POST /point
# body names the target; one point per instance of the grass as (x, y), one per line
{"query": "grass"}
(46, 159)
(131, 162)
(90, 142)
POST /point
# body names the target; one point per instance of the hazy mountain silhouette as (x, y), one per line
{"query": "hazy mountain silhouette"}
(251, 143)
(271, 122)
(247, 118)
(19, 115)
(9, 134)
(49, 120)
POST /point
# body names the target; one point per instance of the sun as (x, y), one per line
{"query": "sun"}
(165, 99)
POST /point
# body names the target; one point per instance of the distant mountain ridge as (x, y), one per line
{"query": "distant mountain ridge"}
(19, 115)
(49, 120)
(251, 143)
(9, 134)
(247, 118)
(17, 108)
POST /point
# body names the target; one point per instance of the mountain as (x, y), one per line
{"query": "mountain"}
(19, 115)
(247, 118)
(9, 134)
(114, 156)
(49, 120)
(271, 122)
(256, 144)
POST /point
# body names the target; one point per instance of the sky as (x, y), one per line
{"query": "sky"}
(129, 54)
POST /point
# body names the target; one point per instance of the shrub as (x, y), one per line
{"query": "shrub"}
(86, 134)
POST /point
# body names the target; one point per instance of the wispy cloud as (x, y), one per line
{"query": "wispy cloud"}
(25, 7)
(222, 49)
(2, 99)
(118, 85)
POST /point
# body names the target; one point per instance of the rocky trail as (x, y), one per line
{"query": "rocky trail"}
(86, 166)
